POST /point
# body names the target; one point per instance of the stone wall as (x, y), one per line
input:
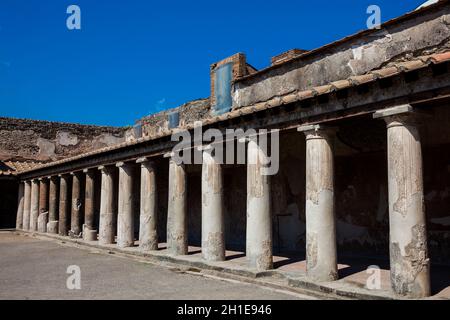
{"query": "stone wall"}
(195, 110)
(45, 141)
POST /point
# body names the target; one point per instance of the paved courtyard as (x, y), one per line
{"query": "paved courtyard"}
(36, 269)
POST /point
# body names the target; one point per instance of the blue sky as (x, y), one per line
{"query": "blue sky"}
(136, 57)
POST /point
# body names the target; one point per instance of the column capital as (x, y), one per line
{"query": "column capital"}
(317, 131)
(145, 162)
(88, 171)
(403, 115)
(75, 173)
(169, 154)
(105, 169)
(123, 164)
(206, 148)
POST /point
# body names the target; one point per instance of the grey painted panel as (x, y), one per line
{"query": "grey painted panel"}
(222, 89)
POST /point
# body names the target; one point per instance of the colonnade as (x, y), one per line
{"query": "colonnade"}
(408, 239)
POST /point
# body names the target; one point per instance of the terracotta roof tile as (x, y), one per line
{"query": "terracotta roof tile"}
(275, 102)
(426, 59)
(410, 65)
(289, 98)
(13, 167)
(323, 89)
(305, 94)
(362, 79)
(247, 110)
(441, 57)
(385, 72)
(259, 105)
(341, 84)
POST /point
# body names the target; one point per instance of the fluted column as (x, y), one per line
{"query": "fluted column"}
(43, 205)
(20, 204)
(34, 211)
(77, 205)
(321, 251)
(259, 217)
(410, 265)
(148, 229)
(106, 228)
(213, 229)
(64, 204)
(52, 225)
(27, 205)
(125, 216)
(89, 233)
(177, 235)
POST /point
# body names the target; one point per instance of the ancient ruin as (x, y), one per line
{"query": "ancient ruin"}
(363, 171)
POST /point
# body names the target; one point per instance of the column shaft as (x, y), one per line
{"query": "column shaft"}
(410, 266)
(34, 211)
(213, 235)
(27, 206)
(89, 233)
(106, 228)
(20, 204)
(52, 225)
(321, 251)
(177, 236)
(259, 216)
(64, 203)
(75, 217)
(125, 217)
(148, 229)
(43, 205)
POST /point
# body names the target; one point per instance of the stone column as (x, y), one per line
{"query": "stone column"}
(64, 201)
(321, 252)
(43, 205)
(259, 216)
(75, 216)
(125, 217)
(106, 228)
(410, 265)
(27, 205)
(213, 229)
(177, 236)
(20, 203)
(34, 211)
(52, 225)
(148, 229)
(89, 233)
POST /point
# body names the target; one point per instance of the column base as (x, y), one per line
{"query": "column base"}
(42, 222)
(74, 235)
(262, 262)
(89, 234)
(149, 245)
(52, 227)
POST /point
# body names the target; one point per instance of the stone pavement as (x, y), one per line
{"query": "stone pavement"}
(288, 275)
(36, 269)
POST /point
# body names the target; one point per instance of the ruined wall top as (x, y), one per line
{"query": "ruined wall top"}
(44, 141)
(422, 32)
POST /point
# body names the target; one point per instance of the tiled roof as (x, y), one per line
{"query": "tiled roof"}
(11, 168)
(353, 81)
